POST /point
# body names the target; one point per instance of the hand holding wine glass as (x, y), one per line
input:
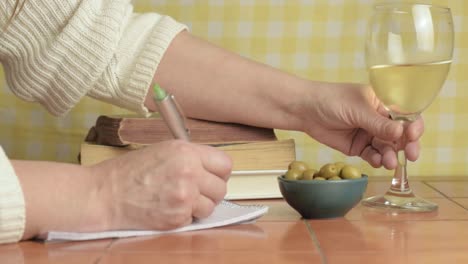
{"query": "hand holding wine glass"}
(409, 50)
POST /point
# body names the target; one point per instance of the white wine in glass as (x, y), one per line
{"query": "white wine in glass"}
(409, 50)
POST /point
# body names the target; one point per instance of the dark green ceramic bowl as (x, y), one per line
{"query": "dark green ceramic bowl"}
(322, 199)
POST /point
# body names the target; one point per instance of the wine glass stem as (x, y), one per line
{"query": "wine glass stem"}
(400, 178)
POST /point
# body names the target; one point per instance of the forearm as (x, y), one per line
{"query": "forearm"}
(212, 83)
(59, 196)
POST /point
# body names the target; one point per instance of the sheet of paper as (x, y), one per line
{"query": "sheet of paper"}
(225, 213)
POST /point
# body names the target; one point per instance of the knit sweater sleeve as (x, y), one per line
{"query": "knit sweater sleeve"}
(12, 207)
(55, 52)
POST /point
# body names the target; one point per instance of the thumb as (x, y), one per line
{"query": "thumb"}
(380, 126)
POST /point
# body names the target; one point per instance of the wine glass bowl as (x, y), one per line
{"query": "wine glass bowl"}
(409, 50)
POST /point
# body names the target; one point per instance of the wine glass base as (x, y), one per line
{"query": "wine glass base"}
(397, 203)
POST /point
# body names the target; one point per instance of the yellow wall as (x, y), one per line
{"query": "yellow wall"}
(318, 39)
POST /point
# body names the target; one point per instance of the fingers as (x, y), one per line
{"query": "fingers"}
(386, 151)
(215, 161)
(382, 111)
(412, 151)
(212, 190)
(187, 200)
(203, 207)
(410, 142)
(372, 156)
(380, 153)
(415, 130)
(380, 126)
(212, 187)
(389, 159)
(359, 143)
(210, 179)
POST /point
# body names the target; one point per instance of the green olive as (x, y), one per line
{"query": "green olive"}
(308, 174)
(350, 172)
(335, 178)
(300, 165)
(319, 179)
(328, 170)
(339, 165)
(293, 174)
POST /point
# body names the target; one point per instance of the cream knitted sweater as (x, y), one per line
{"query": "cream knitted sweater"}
(55, 52)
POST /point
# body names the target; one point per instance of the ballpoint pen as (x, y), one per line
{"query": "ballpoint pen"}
(170, 113)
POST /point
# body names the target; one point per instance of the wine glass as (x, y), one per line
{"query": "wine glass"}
(409, 50)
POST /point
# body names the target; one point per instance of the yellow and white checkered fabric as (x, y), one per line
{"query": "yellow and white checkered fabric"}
(317, 39)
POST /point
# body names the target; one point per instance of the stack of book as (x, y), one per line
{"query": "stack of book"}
(258, 156)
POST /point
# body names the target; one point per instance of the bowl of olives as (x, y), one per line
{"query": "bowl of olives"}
(328, 192)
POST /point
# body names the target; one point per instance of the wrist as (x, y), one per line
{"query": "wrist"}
(294, 97)
(101, 212)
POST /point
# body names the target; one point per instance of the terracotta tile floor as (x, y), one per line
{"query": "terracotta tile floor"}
(451, 188)
(462, 201)
(281, 236)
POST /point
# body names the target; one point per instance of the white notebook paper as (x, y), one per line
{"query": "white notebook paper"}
(225, 213)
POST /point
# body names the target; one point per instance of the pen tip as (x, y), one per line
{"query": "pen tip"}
(159, 92)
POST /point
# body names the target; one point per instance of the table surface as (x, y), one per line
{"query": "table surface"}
(281, 236)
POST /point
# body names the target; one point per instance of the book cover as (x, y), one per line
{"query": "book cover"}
(268, 155)
(256, 165)
(126, 130)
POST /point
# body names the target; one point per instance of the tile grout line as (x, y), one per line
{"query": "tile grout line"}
(459, 204)
(444, 195)
(111, 243)
(316, 242)
(106, 250)
(98, 260)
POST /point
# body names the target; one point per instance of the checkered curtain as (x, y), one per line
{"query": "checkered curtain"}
(317, 39)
